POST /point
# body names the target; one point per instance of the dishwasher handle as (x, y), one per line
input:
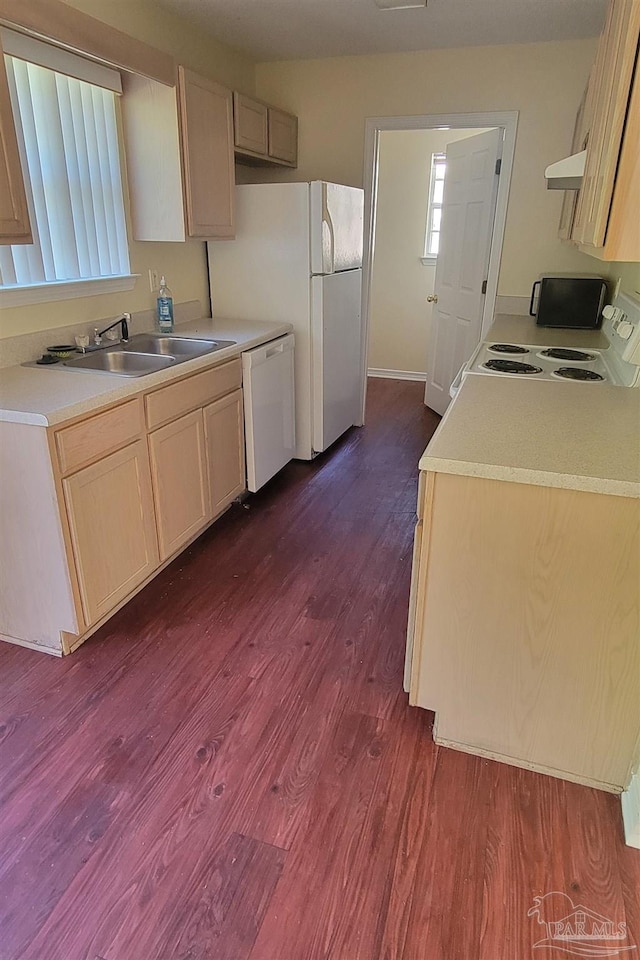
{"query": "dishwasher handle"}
(253, 358)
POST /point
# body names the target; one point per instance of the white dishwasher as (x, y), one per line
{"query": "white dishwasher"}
(269, 414)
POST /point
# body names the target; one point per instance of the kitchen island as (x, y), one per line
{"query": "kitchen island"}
(523, 628)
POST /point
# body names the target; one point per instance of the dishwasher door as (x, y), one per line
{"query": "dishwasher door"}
(269, 414)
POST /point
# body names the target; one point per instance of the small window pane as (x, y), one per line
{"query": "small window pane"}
(436, 198)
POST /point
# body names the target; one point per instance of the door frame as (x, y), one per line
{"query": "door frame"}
(374, 126)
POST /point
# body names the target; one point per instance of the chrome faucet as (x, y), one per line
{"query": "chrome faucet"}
(124, 322)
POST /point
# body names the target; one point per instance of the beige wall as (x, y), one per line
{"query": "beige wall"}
(183, 263)
(627, 273)
(147, 20)
(400, 282)
(543, 81)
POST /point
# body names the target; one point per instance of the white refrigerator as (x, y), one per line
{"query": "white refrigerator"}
(297, 258)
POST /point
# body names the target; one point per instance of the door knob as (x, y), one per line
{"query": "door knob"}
(433, 298)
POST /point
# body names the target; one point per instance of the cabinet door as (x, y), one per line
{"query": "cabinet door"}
(613, 77)
(206, 121)
(180, 483)
(110, 511)
(14, 218)
(580, 132)
(224, 432)
(250, 124)
(283, 136)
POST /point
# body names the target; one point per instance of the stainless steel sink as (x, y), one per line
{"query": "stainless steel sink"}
(125, 363)
(179, 347)
(145, 353)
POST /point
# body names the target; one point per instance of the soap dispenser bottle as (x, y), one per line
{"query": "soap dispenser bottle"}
(165, 308)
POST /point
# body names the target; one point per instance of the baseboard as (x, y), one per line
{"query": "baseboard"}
(631, 812)
(523, 764)
(30, 646)
(396, 374)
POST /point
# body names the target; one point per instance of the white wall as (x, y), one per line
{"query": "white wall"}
(400, 282)
(543, 81)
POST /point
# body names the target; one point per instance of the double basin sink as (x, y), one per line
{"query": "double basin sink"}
(145, 353)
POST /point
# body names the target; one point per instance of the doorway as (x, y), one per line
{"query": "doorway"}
(399, 267)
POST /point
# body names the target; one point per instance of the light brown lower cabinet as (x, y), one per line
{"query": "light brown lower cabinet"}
(110, 511)
(92, 508)
(523, 635)
(224, 434)
(180, 481)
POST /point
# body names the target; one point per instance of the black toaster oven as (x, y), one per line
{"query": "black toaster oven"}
(570, 302)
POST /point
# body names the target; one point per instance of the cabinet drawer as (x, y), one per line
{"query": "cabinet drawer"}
(171, 402)
(98, 436)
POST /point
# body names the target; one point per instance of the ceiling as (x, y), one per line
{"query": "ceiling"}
(305, 29)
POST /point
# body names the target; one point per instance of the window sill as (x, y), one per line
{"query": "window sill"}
(428, 261)
(65, 290)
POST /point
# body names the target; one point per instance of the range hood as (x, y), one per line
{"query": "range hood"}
(566, 174)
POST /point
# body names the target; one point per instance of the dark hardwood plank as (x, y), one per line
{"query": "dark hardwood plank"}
(325, 857)
(446, 901)
(224, 916)
(525, 829)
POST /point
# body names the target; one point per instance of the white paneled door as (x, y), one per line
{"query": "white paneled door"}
(468, 208)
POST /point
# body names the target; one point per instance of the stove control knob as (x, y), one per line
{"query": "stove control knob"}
(624, 329)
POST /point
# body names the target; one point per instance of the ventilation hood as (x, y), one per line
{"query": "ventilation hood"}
(566, 174)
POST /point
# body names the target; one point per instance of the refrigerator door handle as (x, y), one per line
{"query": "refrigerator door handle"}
(328, 238)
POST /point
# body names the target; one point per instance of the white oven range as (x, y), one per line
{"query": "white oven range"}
(617, 364)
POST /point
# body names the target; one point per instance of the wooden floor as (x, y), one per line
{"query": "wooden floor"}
(229, 769)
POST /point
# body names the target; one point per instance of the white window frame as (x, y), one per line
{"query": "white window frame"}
(438, 162)
(65, 63)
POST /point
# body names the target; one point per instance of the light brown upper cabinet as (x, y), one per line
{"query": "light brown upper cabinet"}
(249, 123)
(264, 135)
(206, 120)
(606, 222)
(14, 216)
(283, 136)
(179, 148)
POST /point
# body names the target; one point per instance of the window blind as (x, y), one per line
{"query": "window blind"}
(68, 141)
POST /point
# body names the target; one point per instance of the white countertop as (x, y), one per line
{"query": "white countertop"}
(49, 395)
(508, 328)
(580, 436)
